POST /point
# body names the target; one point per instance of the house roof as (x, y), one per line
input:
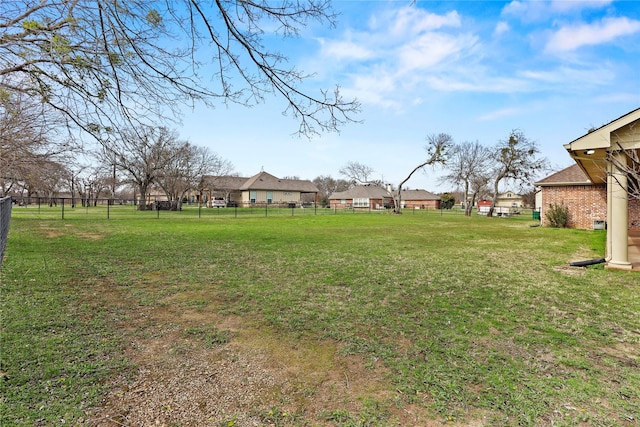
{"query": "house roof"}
(573, 175)
(361, 191)
(224, 182)
(261, 181)
(589, 151)
(266, 181)
(418, 195)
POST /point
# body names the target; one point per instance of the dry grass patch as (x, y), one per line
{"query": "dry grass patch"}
(184, 378)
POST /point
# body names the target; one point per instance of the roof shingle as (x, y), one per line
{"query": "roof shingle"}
(571, 175)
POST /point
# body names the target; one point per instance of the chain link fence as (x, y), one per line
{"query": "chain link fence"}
(5, 216)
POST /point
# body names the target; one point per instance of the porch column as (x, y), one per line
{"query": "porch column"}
(619, 220)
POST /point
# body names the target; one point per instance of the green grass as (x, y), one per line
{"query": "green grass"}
(468, 316)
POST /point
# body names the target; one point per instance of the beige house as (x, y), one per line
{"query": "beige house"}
(601, 193)
(510, 199)
(261, 189)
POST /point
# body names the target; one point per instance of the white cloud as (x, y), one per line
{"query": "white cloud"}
(540, 10)
(570, 38)
(345, 50)
(431, 49)
(501, 28)
(576, 76)
(478, 82)
(411, 21)
(499, 114)
(392, 56)
(572, 5)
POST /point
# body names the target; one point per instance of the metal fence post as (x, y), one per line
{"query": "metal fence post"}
(5, 216)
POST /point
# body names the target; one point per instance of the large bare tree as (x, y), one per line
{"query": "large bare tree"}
(515, 159)
(106, 63)
(437, 150)
(26, 140)
(185, 170)
(143, 155)
(358, 173)
(328, 185)
(469, 168)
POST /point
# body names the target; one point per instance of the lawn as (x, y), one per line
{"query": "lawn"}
(304, 320)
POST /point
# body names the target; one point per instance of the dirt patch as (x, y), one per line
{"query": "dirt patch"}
(570, 271)
(52, 233)
(196, 367)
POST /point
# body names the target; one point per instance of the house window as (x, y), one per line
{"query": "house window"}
(252, 196)
(361, 202)
(269, 197)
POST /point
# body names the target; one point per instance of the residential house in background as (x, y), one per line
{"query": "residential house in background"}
(361, 197)
(419, 199)
(510, 199)
(261, 189)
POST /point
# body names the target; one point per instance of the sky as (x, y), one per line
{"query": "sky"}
(475, 70)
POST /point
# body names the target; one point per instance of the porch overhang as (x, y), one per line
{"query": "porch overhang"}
(597, 153)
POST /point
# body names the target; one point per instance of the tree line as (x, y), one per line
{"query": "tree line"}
(473, 169)
(104, 73)
(148, 157)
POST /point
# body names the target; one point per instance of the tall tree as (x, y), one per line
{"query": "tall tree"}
(469, 168)
(328, 185)
(516, 159)
(143, 155)
(358, 174)
(437, 149)
(108, 63)
(186, 168)
(26, 140)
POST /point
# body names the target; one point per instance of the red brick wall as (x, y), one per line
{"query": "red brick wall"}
(586, 203)
(421, 204)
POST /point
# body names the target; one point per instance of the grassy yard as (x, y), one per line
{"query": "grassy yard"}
(359, 320)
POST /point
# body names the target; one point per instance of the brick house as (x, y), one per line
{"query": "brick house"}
(595, 190)
(419, 199)
(586, 201)
(361, 197)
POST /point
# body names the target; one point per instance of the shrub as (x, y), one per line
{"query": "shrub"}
(558, 215)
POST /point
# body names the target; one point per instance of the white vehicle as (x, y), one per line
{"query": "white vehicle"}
(218, 203)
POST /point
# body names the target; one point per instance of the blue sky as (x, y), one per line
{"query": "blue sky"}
(472, 69)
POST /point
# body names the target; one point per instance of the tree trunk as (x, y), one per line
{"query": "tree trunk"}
(494, 197)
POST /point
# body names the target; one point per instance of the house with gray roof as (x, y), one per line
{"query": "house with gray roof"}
(260, 189)
(419, 199)
(361, 197)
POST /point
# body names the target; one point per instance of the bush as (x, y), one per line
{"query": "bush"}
(557, 215)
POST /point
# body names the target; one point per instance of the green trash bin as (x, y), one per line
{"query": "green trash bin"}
(536, 215)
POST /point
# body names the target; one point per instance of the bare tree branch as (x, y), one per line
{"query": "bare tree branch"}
(108, 64)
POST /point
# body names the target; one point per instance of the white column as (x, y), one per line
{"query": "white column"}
(619, 220)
